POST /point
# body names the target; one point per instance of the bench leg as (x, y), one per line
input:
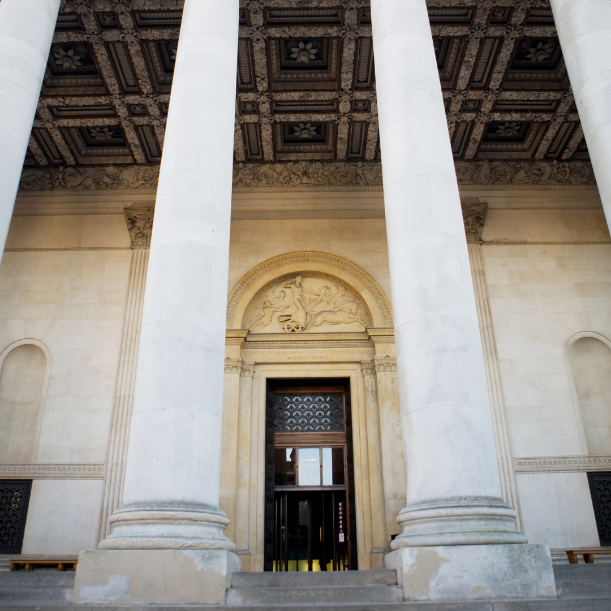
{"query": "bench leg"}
(61, 566)
(573, 559)
(29, 567)
(589, 558)
(14, 566)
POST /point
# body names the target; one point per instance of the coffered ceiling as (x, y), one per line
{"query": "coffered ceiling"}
(305, 82)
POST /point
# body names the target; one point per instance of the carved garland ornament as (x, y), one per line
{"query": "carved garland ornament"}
(305, 258)
(308, 174)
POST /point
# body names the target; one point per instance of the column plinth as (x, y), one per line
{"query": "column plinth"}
(167, 544)
(453, 495)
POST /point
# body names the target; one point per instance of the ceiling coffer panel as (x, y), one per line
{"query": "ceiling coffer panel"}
(305, 83)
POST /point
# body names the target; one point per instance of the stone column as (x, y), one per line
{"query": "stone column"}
(454, 519)
(26, 32)
(167, 544)
(584, 29)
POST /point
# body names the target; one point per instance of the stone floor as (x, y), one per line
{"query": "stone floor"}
(580, 588)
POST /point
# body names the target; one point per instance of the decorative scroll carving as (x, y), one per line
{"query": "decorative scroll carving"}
(53, 471)
(308, 412)
(385, 363)
(564, 464)
(311, 258)
(369, 367)
(474, 216)
(14, 500)
(140, 225)
(308, 174)
(306, 303)
(233, 365)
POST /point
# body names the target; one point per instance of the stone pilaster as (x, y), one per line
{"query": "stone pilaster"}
(376, 486)
(474, 216)
(453, 492)
(124, 393)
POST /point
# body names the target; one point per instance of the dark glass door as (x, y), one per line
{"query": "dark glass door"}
(310, 521)
(310, 531)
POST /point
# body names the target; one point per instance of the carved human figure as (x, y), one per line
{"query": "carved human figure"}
(269, 309)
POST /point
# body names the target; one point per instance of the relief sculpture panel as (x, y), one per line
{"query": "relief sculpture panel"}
(306, 303)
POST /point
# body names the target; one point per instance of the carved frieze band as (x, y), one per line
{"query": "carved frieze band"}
(562, 464)
(52, 471)
(385, 363)
(304, 175)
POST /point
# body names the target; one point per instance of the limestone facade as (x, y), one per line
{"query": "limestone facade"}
(72, 282)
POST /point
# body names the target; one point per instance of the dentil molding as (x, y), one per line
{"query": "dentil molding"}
(562, 464)
(52, 471)
(304, 175)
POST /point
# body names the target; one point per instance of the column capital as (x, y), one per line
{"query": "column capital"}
(233, 365)
(474, 215)
(247, 370)
(139, 221)
(385, 363)
(369, 367)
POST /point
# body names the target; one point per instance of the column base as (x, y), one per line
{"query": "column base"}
(471, 572)
(154, 576)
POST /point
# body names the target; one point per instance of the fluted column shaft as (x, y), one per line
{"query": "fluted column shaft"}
(171, 497)
(26, 32)
(453, 491)
(584, 29)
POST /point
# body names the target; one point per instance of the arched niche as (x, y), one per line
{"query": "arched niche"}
(24, 367)
(589, 360)
(333, 277)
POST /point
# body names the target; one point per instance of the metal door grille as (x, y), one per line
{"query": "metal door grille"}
(600, 489)
(14, 501)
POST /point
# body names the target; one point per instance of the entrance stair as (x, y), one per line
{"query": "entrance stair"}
(581, 587)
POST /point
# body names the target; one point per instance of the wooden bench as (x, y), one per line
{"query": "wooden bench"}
(588, 554)
(62, 563)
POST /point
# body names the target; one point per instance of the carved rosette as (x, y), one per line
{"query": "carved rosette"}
(474, 216)
(233, 365)
(385, 363)
(140, 225)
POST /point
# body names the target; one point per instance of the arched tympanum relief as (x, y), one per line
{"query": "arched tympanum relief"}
(309, 302)
(309, 292)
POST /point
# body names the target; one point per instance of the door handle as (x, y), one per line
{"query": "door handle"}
(321, 534)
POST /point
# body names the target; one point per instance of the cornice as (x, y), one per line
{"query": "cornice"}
(52, 471)
(562, 464)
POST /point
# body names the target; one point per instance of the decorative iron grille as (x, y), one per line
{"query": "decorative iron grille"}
(14, 500)
(308, 411)
(600, 489)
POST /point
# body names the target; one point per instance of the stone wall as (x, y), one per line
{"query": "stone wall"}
(64, 283)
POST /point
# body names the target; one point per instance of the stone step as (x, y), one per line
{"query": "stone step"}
(293, 579)
(584, 604)
(327, 595)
